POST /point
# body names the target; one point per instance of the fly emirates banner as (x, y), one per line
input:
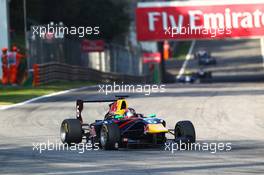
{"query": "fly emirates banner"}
(199, 20)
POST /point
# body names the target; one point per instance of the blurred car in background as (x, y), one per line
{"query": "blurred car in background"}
(201, 76)
(188, 77)
(204, 58)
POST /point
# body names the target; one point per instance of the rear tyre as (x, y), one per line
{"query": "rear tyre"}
(110, 136)
(184, 131)
(71, 131)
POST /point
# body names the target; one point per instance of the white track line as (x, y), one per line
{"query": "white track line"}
(42, 97)
(71, 172)
(262, 49)
(187, 58)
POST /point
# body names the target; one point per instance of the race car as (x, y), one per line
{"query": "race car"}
(204, 58)
(195, 77)
(122, 126)
(203, 76)
(187, 77)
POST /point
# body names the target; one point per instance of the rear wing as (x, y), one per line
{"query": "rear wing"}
(79, 104)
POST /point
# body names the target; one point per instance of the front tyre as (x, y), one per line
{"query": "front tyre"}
(184, 131)
(110, 136)
(71, 131)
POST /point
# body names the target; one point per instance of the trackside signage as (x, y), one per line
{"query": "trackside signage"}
(151, 57)
(199, 20)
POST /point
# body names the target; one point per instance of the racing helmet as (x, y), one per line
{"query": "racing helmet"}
(121, 107)
(129, 114)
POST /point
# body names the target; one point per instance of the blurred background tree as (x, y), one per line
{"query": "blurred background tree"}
(112, 17)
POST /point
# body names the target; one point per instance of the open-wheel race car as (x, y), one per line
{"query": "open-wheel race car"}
(205, 58)
(123, 126)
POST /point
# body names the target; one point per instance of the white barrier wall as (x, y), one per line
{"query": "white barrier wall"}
(4, 35)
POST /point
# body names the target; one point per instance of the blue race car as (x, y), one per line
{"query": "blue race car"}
(123, 126)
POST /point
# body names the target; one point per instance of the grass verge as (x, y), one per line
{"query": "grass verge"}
(11, 95)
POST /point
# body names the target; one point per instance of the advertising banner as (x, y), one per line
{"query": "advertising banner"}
(199, 20)
(93, 46)
(151, 57)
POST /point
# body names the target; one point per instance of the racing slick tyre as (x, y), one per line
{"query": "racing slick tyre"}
(71, 131)
(110, 136)
(184, 131)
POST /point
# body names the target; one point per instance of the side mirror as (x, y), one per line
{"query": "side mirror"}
(118, 116)
(152, 115)
(79, 108)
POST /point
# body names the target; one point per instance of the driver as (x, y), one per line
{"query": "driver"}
(127, 113)
(120, 110)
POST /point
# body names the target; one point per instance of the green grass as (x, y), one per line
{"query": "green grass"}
(11, 95)
(182, 50)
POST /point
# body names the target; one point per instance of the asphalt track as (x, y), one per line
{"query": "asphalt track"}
(237, 60)
(220, 112)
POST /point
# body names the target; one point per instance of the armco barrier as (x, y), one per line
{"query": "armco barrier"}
(52, 72)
